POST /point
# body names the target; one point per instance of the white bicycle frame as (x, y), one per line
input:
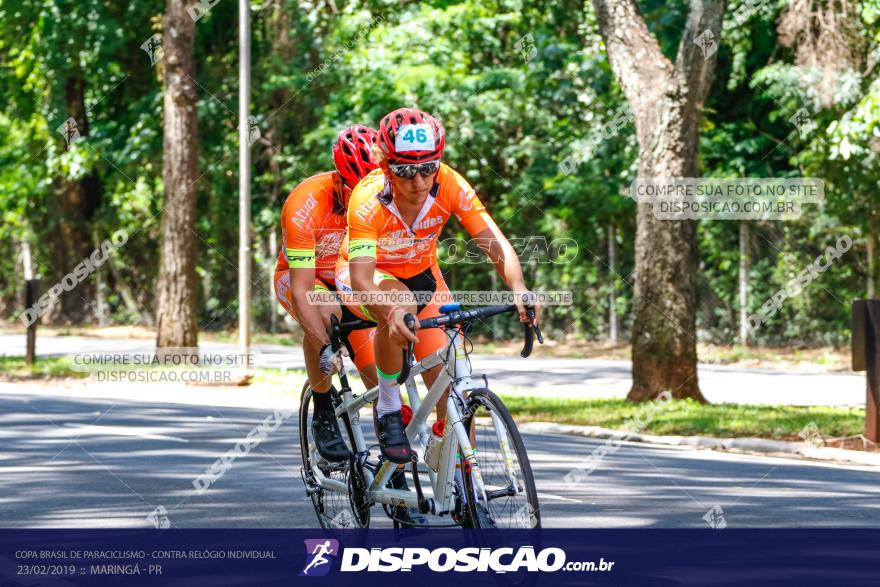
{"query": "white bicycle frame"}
(419, 435)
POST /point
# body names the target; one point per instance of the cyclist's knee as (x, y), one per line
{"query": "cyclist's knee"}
(399, 295)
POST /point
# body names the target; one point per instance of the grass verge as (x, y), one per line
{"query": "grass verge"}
(15, 369)
(682, 417)
(689, 418)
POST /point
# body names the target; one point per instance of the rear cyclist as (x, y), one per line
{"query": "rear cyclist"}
(313, 223)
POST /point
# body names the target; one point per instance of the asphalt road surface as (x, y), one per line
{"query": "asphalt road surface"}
(88, 462)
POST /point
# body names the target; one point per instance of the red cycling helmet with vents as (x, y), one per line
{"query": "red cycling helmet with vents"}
(411, 136)
(353, 153)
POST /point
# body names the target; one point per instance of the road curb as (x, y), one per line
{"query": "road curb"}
(759, 446)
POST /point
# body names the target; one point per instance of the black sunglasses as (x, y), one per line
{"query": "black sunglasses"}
(409, 170)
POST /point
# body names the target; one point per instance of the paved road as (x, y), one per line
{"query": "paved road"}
(558, 377)
(88, 462)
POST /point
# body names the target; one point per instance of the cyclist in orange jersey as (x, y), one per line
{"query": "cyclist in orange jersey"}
(395, 217)
(313, 225)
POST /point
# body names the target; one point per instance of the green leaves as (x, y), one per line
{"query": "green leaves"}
(534, 119)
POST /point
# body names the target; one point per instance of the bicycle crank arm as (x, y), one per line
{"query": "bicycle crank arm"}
(425, 505)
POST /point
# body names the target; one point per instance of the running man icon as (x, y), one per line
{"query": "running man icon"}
(318, 551)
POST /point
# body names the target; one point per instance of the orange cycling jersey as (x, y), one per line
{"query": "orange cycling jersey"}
(312, 226)
(376, 229)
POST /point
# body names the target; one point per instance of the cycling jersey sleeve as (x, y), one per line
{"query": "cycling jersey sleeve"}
(363, 236)
(299, 240)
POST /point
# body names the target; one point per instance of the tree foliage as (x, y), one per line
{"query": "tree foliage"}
(524, 90)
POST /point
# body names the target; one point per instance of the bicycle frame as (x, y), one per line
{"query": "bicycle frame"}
(458, 377)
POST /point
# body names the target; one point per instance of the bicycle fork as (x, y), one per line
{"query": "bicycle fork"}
(504, 445)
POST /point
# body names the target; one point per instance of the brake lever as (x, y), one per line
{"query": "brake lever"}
(410, 321)
(527, 342)
(335, 334)
(530, 331)
(530, 312)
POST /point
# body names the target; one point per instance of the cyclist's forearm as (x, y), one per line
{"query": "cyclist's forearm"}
(372, 293)
(310, 316)
(504, 258)
(362, 283)
(510, 271)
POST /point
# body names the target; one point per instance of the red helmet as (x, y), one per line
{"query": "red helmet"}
(353, 153)
(411, 136)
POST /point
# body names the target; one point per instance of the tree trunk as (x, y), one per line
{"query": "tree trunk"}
(612, 295)
(744, 282)
(667, 102)
(177, 311)
(871, 245)
(78, 201)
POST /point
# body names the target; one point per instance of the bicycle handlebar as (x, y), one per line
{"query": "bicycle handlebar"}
(530, 332)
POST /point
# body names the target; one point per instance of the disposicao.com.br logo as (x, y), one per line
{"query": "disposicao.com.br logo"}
(317, 552)
(444, 559)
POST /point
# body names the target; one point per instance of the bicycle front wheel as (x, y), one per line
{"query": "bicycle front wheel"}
(511, 497)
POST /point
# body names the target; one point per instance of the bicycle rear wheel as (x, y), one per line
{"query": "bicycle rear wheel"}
(503, 464)
(335, 509)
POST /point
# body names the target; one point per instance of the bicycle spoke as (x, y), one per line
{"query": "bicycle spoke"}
(511, 500)
(334, 508)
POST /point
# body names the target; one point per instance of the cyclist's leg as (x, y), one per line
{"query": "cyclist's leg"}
(361, 342)
(325, 428)
(387, 353)
(407, 516)
(387, 356)
(318, 381)
(433, 339)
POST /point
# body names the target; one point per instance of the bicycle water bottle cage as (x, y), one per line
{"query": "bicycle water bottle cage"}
(450, 308)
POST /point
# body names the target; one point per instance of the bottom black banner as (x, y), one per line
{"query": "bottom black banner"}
(366, 557)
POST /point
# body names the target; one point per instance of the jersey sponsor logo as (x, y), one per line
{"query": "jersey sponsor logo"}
(329, 242)
(302, 215)
(367, 211)
(297, 260)
(465, 202)
(429, 222)
(361, 247)
(400, 242)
